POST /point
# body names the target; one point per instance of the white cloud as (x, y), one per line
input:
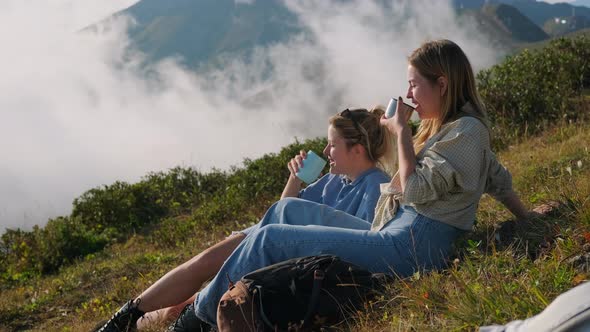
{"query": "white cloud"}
(77, 112)
(555, 1)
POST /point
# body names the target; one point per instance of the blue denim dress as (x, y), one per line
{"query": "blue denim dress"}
(357, 198)
(295, 228)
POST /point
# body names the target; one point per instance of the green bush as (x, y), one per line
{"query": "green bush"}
(245, 194)
(524, 94)
(122, 206)
(43, 250)
(180, 198)
(265, 177)
(17, 255)
(179, 189)
(534, 89)
(64, 239)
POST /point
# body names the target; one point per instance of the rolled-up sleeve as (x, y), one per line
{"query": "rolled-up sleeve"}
(499, 180)
(453, 164)
(452, 171)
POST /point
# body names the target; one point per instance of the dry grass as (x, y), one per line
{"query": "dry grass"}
(506, 269)
(498, 273)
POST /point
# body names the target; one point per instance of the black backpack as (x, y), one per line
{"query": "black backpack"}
(300, 294)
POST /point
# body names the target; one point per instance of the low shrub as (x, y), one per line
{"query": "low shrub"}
(183, 198)
(533, 89)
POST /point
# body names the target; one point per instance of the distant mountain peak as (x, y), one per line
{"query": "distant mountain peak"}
(197, 31)
(512, 21)
(202, 32)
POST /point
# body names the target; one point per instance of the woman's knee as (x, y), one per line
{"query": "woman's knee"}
(268, 232)
(286, 204)
(279, 212)
(268, 236)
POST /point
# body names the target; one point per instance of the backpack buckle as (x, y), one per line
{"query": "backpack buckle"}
(319, 275)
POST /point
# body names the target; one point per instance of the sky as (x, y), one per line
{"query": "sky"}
(585, 3)
(77, 112)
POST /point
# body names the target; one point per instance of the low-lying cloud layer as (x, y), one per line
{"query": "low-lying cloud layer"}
(77, 112)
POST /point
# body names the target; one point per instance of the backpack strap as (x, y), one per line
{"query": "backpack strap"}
(263, 316)
(318, 278)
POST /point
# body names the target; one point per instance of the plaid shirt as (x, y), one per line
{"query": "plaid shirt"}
(453, 170)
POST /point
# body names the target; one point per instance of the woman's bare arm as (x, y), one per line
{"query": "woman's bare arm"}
(515, 205)
(293, 185)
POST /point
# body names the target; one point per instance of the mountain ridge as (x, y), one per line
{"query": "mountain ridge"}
(198, 30)
(198, 33)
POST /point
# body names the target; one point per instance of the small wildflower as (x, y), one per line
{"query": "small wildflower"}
(569, 170)
(416, 275)
(579, 163)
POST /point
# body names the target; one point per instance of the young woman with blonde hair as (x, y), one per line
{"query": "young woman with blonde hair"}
(443, 172)
(359, 149)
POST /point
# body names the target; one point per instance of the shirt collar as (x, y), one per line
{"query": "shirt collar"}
(346, 181)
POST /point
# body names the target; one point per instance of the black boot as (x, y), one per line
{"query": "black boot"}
(124, 320)
(188, 321)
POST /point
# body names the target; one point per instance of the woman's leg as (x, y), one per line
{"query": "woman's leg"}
(392, 249)
(276, 243)
(297, 211)
(185, 280)
(398, 248)
(164, 299)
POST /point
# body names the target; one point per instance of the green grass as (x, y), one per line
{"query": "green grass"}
(540, 44)
(495, 282)
(119, 239)
(488, 282)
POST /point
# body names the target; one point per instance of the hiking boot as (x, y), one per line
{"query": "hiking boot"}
(188, 321)
(125, 319)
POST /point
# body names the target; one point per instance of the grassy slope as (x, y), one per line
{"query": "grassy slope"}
(497, 282)
(539, 45)
(489, 282)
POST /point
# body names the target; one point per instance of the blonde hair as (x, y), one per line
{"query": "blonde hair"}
(362, 126)
(444, 58)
